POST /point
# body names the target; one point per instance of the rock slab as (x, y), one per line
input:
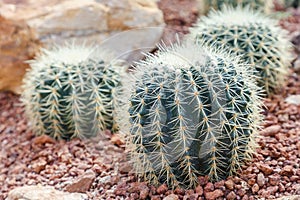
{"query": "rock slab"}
(43, 192)
(17, 44)
(127, 27)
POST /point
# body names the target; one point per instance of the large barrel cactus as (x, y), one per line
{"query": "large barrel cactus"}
(262, 5)
(192, 112)
(70, 92)
(257, 38)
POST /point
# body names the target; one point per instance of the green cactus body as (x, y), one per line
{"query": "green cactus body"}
(262, 5)
(255, 37)
(69, 92)
(192, 112)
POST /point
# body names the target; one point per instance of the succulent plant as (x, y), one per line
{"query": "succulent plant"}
(262, 5)
(255, 37)
(192, 111)
(288, 3)
(70, 92)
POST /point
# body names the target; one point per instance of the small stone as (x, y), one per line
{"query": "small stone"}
(281, 187)
(39, 165)
(260, 179)
(245, 197)
(42, 192)
(219, 184)
(199, 190)
(272, 189)
(287, 171)
(231, 196)
(294, 178)
(241, 192)
(203, 180)
(271, 130)
(251, 181)
(144, 192)
(214, 194)
(274, 179)
(266, 169)
(255, 188)
(83, 183)
(162, 189)
(209, 187)
(117, 139)
(229, 184)
(43, 139)
(265, 193)
(294, 99)
(171, 197)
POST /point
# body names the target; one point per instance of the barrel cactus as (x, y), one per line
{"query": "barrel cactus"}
(70, 92)
(252, 35)
(262, 5)
(192, 112)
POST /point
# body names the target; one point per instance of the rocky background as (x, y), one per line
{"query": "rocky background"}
(35, 168)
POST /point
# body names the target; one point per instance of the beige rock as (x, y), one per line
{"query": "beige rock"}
(17, 44)
(120, 25)
(43, 192)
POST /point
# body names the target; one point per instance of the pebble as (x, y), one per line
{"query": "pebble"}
(287, 170)
(162, 189)
(229, 184)
(231, 195)
(266, 169)
(271, 130)
(209, 187)
(260, 179)
(171, 197)
(255, 188)
(199, 190)
(213, 195)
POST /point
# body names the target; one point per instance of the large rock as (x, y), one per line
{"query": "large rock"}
(41, 192)
(125, 26)
(17, 44)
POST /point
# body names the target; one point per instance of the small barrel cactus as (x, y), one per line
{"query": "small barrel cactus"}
(192, 112)
(252, 35)
(262, 5)
(70, 92)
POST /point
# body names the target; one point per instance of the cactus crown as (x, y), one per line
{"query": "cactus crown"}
(262, 5)
(254, 36)
(192, 111)
(69, 92)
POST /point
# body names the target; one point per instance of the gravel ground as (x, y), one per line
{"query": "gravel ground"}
(29, 160)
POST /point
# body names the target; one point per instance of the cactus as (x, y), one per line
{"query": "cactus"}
(288, 3)
(262, 5)
(252, 35)
(70, 92)
(192, 111)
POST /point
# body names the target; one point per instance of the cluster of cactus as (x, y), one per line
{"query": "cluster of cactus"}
(192, 111)
(256, 38)
(262, 5)
(70, 92)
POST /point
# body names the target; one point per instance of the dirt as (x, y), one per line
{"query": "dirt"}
(29, 160)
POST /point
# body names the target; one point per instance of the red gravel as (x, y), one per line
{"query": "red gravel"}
(29, 160)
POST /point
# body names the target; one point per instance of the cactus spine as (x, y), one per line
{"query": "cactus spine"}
(192, 112)
(252, 35)
(70, 92)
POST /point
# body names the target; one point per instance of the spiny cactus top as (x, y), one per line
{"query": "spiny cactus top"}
(254, 36)
(69, 92)
(262, 5)
(192, 112)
